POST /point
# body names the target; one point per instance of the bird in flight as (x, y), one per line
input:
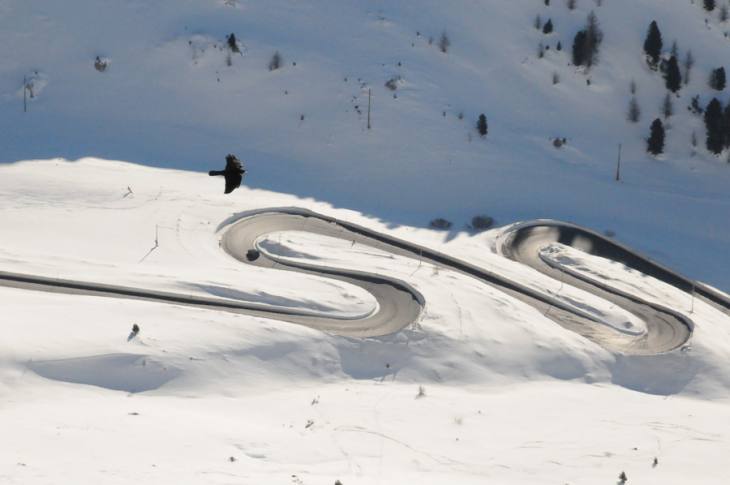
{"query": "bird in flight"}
(233, 173)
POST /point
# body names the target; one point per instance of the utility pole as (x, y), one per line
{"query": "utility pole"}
(618, 164)
(25, 94)
(369, 90)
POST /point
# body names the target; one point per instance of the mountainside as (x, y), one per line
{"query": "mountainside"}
(169, 98)
(340, 318)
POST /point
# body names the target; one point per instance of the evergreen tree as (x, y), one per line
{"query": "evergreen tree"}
(587, 42)
(695, 107)
(709, 5)
(726, 125)
(714, 125)
(548, 27)
(275, 62)
(717, 79)
(667, 106)
(559, 47)
(653, 44)
(634, 111)
(689, 62)
(594, 37)
(672, 76)
(674, 51)
(482, 126)
(655, 143)
(444, 42)
(579, 48)
(232, 43)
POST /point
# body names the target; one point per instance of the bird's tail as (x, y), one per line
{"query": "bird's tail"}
(216, 172)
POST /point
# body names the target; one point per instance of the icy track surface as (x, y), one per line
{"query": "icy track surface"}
(400, 305)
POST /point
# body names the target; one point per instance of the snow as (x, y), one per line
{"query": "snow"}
(102, 180)
(509, 393)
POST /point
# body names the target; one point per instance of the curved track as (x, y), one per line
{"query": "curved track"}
(400, 305)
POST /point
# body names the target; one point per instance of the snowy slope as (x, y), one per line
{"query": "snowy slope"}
(483, 387)
(169, 99)
(294, 405)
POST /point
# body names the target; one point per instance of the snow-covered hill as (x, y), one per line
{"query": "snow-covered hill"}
(168, 98)
(482, 387)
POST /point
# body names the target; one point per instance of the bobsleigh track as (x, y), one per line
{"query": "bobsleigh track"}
(400, 305)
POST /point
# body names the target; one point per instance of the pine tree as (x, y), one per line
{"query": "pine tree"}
(548, 27)
(724, 13)
(482, 126)
(559, 47)
(689, 62)
(444, 42)
(634, 111)
(571, 4)
(674, 51)
(655, 143)
(714, 125)
(579, 48)
(709, 5)
(667, 106)
(717, 79)
(726, 125)
(672, 76)
(653, 44)
(695, 107)
(275, 62)
(587, 42)
(538, 23)
(232, 43)
(594, 37)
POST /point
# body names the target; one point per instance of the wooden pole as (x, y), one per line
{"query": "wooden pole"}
(618, 164)
(369, 90)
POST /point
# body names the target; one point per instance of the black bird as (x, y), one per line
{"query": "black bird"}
(233, 173)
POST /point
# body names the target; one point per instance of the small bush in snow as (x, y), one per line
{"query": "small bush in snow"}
(275, 62)
(392, 83)
(482, 223)
(548, 27)
(440, 223)
(695, 107)
(421, 392)
(718, 79)
(444, 42)
(233, 43)
(101, 64)
(482, 126)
